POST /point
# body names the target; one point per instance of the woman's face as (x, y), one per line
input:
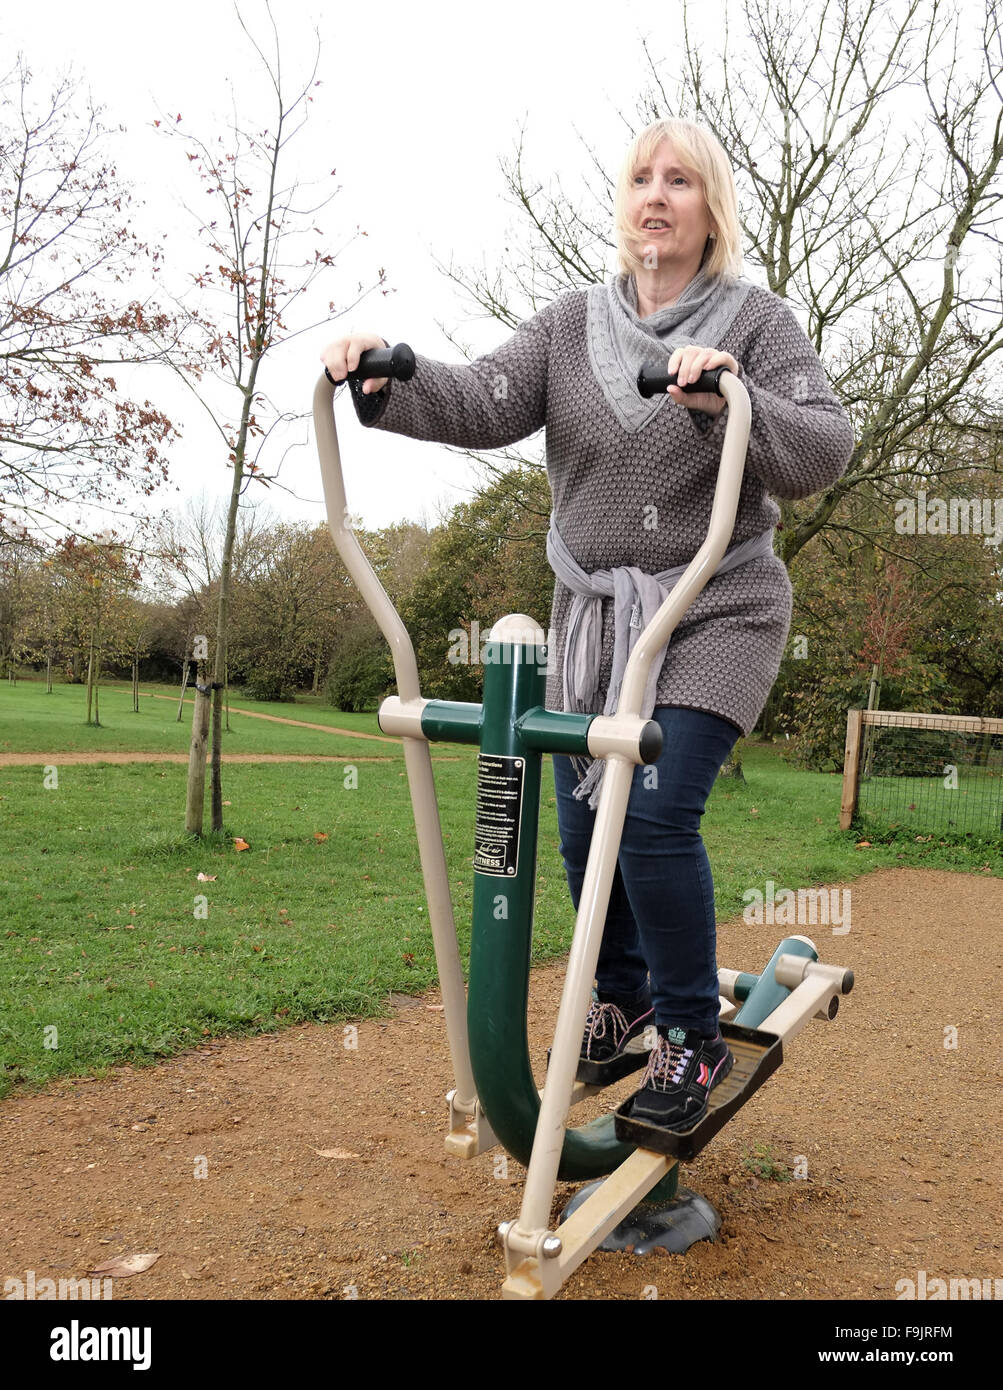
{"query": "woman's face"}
(668, 211)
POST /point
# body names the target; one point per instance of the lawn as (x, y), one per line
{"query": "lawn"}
(110, 938)
(32, 721)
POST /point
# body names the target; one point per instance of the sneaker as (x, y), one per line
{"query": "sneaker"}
(613, 1044)
(682, 1070)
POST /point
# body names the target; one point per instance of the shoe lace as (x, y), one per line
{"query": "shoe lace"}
(667, 1063)
(603, 1017)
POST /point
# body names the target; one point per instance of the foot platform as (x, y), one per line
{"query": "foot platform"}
(609, 1073)
(757, 1056)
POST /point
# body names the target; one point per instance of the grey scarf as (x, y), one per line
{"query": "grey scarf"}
(637, 598)
(620, 342)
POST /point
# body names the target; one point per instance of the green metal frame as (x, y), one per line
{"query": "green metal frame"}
(512, 724)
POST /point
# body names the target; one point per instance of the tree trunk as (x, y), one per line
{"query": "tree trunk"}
(48, 672)
(184, 687)
(219, 665)
(216, 771)
(873, 698)
(97, 670)
(90, 687)
(197, 755)
(226, 692)
(768, 718)
(135, 684)
(195, 803)
(733, 766)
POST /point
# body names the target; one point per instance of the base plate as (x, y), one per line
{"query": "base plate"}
(757, 1056)
(673, 1226)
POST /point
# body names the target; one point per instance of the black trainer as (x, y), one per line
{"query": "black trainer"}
(614, 1044)
(682, 1070)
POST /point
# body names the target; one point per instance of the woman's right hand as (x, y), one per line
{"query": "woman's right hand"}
(342, 357)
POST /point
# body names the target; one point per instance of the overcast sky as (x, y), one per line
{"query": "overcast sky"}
(417, 104)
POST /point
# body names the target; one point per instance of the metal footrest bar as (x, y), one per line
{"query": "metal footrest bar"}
(539, 1275)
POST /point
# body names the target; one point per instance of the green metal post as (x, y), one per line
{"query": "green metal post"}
(508, 807)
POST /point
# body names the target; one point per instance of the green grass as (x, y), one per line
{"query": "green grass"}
(32, 721)
(100, 939)
(925, 805)
(761, 1163)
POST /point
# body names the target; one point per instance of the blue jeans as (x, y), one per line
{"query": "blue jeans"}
(661, 909)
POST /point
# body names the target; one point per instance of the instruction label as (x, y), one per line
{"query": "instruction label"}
(499, 811)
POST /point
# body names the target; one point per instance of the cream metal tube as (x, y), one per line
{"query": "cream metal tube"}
(416, 751)
(545, 1159)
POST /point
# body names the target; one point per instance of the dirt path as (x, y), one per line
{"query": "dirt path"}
(66, 759)
(280, 719)
(326, 1170)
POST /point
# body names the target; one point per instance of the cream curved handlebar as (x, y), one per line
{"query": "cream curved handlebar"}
(700, 569)
(361, 571)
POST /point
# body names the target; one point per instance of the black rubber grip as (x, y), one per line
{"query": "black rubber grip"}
(653, 379)
(396, 362)
(650, 743)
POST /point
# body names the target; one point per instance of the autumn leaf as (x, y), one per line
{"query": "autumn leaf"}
(239, 844)
(334, 1153)
(124, 1266)
(319, 835)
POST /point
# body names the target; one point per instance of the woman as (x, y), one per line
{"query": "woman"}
(632, 482)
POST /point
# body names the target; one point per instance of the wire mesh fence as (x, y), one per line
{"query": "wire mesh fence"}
(931, 773)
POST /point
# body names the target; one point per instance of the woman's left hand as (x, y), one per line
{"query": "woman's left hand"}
(688, 363)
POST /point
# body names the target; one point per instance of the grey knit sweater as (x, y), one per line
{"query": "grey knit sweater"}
(644, 498)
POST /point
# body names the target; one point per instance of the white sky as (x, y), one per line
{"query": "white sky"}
(418, 103)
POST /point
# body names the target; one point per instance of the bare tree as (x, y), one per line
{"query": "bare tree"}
(257, 268)
(70, 436)
(885, 239)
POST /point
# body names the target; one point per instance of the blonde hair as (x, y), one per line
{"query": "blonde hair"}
(702, 152)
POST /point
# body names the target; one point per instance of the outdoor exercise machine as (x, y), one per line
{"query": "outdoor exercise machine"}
(494, 1099)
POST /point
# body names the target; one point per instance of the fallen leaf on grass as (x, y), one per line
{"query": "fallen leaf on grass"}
(319, 835)
(124, 1266)
(334, 1153)
(862, 844)
(207, 878)
(239, 844)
